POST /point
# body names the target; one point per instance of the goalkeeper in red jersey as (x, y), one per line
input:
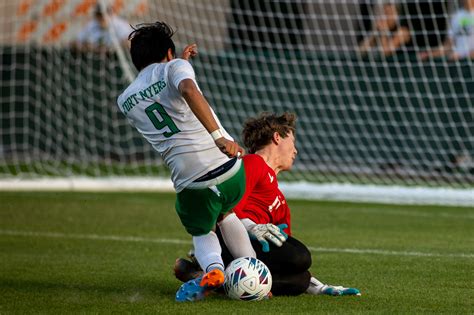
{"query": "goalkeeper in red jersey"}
(265, 213)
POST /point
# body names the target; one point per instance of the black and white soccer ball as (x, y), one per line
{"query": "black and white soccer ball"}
(247, 279)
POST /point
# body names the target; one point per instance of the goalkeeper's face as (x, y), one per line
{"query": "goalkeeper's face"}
(287, 151)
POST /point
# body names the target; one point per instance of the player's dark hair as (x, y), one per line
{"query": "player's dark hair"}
(258, 132)
(149, 43)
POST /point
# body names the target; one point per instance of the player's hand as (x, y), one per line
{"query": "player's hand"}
(268, 232)
(189, 51)
(229, 148)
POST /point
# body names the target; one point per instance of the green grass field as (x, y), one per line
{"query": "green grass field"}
(113, 253)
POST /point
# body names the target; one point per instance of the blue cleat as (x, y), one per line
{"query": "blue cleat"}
(197, 289)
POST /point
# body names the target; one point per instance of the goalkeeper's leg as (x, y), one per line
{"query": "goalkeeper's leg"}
(288, 264)
(292, 257)
(290, 284)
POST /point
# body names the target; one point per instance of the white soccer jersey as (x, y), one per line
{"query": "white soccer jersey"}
(153, 104)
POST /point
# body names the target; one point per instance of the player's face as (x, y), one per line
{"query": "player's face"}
(287, 151)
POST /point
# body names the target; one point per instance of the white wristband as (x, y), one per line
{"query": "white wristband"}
(216, 134)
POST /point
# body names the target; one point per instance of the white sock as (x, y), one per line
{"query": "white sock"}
(236, 237)
(315, 286)
(207, 251)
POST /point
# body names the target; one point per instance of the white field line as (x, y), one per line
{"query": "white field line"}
(387, 252)
(135, 239)
(292, 190)
(189, 242)
(413, 213)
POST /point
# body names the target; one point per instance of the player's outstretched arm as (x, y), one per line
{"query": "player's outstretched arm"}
(201, 109)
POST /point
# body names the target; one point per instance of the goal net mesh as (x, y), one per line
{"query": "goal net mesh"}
(364, 117)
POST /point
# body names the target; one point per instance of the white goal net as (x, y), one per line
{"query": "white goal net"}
(369, 115)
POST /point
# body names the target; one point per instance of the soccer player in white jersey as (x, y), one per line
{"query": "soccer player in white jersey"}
(165, 104)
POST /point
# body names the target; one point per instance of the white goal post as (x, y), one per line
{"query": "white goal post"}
(372, 126)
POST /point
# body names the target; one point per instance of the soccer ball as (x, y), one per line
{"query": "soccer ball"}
(247, 279)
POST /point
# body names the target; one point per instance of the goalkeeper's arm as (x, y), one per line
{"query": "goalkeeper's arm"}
(266, 232)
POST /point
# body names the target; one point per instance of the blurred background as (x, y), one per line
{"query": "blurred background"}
(382, 89)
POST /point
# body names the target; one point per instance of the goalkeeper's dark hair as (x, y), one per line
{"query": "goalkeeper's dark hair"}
(258, 132)
(149, 43)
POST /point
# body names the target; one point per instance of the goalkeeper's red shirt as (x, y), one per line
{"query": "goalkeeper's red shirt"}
(263, 202)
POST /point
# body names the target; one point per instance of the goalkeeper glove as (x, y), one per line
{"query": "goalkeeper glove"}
(268, 232)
